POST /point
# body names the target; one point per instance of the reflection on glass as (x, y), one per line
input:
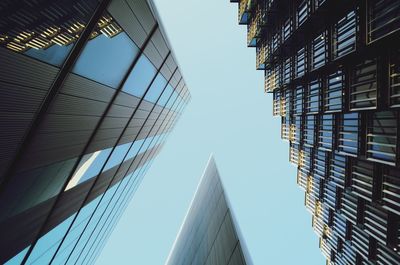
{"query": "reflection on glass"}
(47, 244)
(117, 156)
(88, 167)
(165, 96)
(156, 88)
(54, 55)
(106, 59)
(17, 259)
(140, 77)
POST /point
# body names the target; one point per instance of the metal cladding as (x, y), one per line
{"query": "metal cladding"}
(89, 91)
(333, 68)
(209, 234)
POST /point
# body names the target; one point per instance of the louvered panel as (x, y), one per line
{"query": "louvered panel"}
(340, 225)
(349, 207)
(383, 18)
(294, 154)
(143, 13)
(319, 51)
(310, 203)
(285, 128)
(153, 55)
(277, 101)
(318, 225)
(363, 89)
(313, 97)
(362, 174)
(376, 223)
(304, 169)
(273, 78)
(349, 254)
(297, 129)
(333, 93)
(382, 137)
(301, 62)
(303, 179)
(338, 169)
(287, 70)
(391, 191)
(331, 195)
(333, 242)
(326, 132)
(276, 41)
(327, 215)
(360, 241)
(287, 28)
(386, 256)
(394, 79)
(298, 100)
(303, 12)
(318, 4)
(325, 249)
(345, 35)
(310, 130)
(348, 142)
(263, 51)
(120, 10)
(287, 104)
(321, 164)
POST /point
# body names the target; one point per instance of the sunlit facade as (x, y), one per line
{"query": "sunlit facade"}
(89, 91)
(333, 68)
(209, 234)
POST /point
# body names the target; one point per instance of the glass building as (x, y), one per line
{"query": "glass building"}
(209, 234)
(89, 91)
(333, 68)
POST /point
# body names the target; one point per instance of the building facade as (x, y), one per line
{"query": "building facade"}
(89, 91)
(209, 234)
(333, 68)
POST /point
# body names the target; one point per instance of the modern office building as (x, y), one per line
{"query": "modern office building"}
(209, 234)
(333, 68)
(89, 91)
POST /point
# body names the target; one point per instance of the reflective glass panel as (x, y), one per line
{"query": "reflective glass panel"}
(140, 77)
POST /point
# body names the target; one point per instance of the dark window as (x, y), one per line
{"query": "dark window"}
(363, 86)
(394, 79)
(319, 51)
(309, 130)
(314, 96)
(326, 132)
(301, 62)
(362, 174)
(333, 93)
(383, 18)
(344, 35)
(298, 100)
(391, 191)
(348, 142)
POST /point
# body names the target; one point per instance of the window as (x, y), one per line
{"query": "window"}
(326, 132)
(287, 29)
(298, 120)
(383, 18)
(298, 100)
(285, 128)
(156, 88)
(313, 97)
(301, 62)
(304, 169)
(277, 102)
(345, 35)
(140, 78)
(394, 79)
(333, 92)
(287, 71)
(382, 137)
(348, 142)
(106, 59)
(363, 89)
(319, 51)
(303, 11)
(310, 130)
(350, 207)
(391, 189)
(273, 78)
(362, 179)
(376, 222)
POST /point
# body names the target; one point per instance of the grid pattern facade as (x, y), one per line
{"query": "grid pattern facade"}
(209, 234)
(89, 91)
(333, 70)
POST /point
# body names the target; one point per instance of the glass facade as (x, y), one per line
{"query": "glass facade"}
(89, 93)
(209, 233)
(334, 73)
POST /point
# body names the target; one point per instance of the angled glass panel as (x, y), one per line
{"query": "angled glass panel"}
(156, 88)
(106, 59)
(140, 77)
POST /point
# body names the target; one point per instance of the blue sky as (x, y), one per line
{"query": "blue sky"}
(231, 117)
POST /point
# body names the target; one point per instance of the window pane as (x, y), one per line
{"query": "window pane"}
(140, 77)
(156, 88)
(106, 59)
(54, 55)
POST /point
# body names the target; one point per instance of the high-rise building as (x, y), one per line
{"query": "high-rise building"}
(333, 68)
(209, 234)
(89, 91)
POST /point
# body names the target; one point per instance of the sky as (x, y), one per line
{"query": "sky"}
(229, 116)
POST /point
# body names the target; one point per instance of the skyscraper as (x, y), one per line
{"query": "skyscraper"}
(89, 90)
(333, 68)
(209, 234)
